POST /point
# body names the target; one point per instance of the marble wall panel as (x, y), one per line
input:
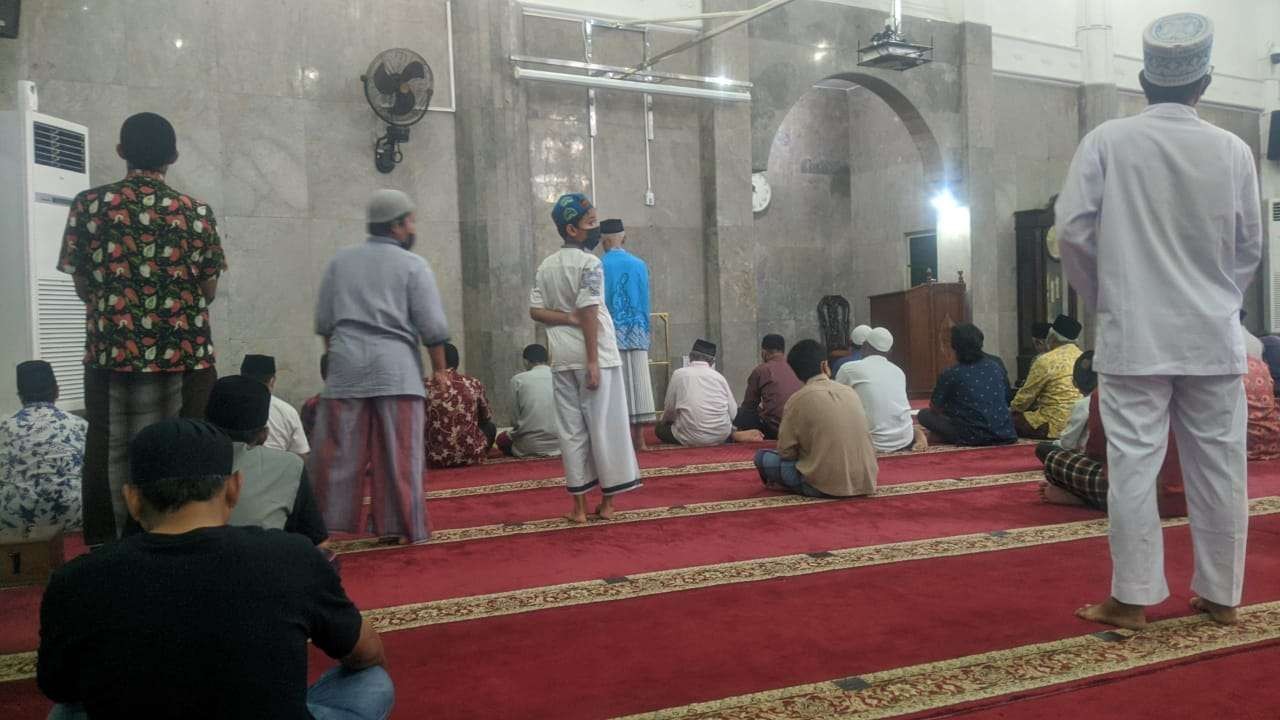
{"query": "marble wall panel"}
(194, 114)
(264, 155)
(261, 47)
(168, 44)
(55, 33)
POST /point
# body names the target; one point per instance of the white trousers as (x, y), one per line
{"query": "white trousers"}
(595, 432)
(1208, 415)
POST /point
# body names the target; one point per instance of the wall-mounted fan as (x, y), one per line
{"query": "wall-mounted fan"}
(398, 86)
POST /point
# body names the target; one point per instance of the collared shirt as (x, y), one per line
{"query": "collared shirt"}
(1160, 228)
(455, 412)
(626, 292)
(275, 493)
(769, 387)
(882, 388)
(535, 432)
(825, 431)
(284, 428)
(1050, 390)
(974, 397)
(143, 248)
(378, 303)
(699, 405)
(569, 280)
(41, 456)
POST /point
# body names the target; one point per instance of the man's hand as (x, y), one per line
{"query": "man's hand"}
(593, 376)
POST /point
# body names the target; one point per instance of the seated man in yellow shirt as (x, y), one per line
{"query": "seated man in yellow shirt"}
(1043, 405)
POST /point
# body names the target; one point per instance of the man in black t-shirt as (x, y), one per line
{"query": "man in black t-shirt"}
(197, 619)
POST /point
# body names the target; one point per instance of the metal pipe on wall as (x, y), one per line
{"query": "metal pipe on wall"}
(741, 19)
(591, 112)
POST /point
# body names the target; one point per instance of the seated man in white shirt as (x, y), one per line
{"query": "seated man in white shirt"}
(534, 432)
(284, 426)
(700, 406)
(882, 387)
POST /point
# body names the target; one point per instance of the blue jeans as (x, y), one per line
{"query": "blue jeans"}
(774, 470)
(339, 694)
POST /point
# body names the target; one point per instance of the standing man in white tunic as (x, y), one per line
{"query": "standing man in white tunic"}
(1160, 228)
(590, 397)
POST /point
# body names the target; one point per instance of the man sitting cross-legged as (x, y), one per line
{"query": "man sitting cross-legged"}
(460, 429)
(534, 433)
(769, 386)
(197, 619)
(824, 448)
(275, 493)
(882, 388)
(699, 406)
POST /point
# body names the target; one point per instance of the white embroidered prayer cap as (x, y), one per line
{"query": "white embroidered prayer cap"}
(881, 339)
(1176, 49)
(859, 335)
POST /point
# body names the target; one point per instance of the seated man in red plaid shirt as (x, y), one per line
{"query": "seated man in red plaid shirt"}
(460, 428)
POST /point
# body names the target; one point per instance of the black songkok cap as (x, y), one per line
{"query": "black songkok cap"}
(239, 404)
(258, 365)
(612, 226)
(705, 347)
(1067, 328)
(148, 140)
(1040, 330)
(35, 379)
(178, 448)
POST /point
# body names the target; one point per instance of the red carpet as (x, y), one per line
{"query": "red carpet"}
(604, 659)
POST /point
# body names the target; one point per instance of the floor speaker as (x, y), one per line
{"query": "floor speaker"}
(9, 12)
(1273, 142)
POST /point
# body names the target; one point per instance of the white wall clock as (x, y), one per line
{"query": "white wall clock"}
(761, 193)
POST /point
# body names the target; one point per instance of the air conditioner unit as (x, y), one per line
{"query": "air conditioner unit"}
(45, 164)
(1273, 261)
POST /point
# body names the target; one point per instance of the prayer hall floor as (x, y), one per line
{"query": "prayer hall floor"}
(949, 592)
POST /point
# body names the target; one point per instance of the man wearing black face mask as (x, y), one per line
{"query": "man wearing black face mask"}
(377, 304)
(590, 392)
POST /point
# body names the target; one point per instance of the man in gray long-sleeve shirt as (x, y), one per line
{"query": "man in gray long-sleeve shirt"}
(378, 302)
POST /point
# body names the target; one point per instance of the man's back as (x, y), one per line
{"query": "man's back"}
(535, 431)
(702, 403)
(626, 282)
(1174, 203)
(212, 623)
(41, 457)
(882, 388)
(454, 414)
(271, 478)
(285, 430)
(377, 303)
(771, 384)
(825, 431)
(566, 281)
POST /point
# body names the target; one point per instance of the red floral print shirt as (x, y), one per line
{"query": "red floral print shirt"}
(455, 412)
(143, 248)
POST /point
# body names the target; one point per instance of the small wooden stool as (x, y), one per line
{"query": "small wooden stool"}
(29, 559)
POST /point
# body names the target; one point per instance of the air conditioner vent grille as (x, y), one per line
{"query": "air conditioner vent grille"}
(58, 147)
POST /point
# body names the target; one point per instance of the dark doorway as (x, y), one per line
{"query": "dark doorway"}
(922, 251)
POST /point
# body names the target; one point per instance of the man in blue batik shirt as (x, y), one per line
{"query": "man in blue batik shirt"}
(41, 456)
(626, 292)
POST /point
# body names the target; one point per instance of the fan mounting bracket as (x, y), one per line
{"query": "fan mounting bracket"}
(386, 149)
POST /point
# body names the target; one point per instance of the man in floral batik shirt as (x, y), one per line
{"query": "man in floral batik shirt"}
(460, 427)
(41, 451)
(146, 260)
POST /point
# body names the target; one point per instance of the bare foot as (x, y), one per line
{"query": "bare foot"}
(606, 512)
(1114, 612)
(1055, 495)
(921, 440)
(577, 517)
(1220, 613)
(746, 436)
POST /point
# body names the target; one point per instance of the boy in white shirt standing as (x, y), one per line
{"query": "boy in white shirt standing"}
(590, 394)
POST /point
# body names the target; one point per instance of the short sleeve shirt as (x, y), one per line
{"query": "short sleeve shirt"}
(41, 456)
(567, 281)
(143, 248)
(973, 396)
(455, 411)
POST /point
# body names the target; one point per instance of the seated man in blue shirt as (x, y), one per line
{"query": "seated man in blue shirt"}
(198, 619)
(969, 405)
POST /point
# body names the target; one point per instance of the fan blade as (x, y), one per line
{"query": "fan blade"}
(404, 102)
(412, 71)
(385, 82)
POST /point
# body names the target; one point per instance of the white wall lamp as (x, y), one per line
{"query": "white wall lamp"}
(603, 83)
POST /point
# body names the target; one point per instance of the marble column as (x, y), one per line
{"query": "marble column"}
(977, 255)
(728, 225)
(1098, 98)
(494, 194)
(1269, 178)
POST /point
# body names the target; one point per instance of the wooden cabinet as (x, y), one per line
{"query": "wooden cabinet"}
(1043, 293)
(921, 320)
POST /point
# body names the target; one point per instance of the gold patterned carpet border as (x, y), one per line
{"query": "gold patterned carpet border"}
(693, 469)
(17, 666)
(440, 537)
(524, 600)
(952, 682)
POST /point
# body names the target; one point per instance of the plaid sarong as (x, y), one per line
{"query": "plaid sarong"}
(1079, 475)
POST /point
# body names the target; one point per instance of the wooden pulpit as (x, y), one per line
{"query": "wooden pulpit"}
(921, 320)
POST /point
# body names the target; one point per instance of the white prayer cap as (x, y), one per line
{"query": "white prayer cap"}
(859, 335)
(386, 205)
(1176, 48)
(881, 339)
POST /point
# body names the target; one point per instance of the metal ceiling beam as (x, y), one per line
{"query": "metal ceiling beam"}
(619, 70)
(740, 20)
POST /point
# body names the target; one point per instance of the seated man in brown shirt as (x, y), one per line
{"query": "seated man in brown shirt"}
(769, 387)
(824, 447)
